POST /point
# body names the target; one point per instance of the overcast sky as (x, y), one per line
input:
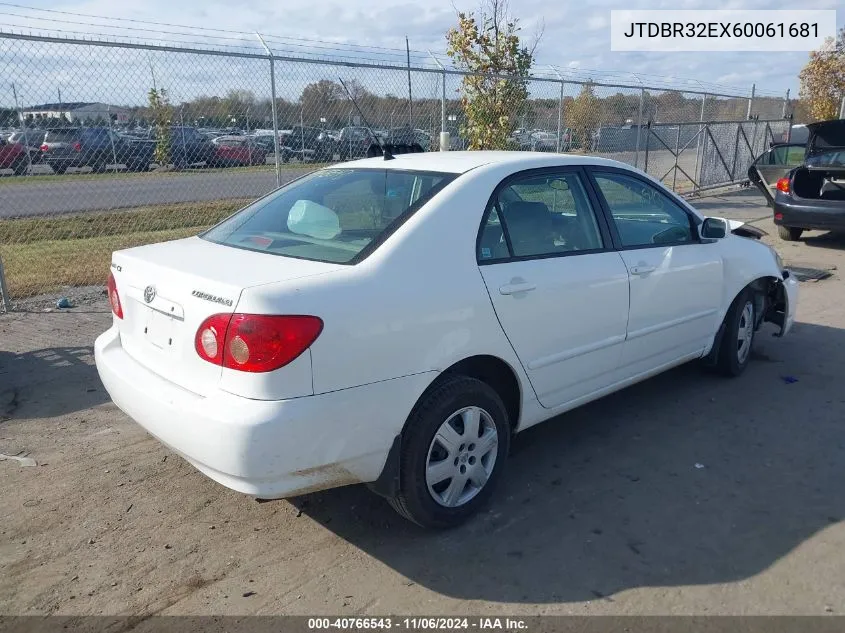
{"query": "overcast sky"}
(576, 33)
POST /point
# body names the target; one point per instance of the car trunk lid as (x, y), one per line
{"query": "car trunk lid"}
(826, 137)
(167, 290)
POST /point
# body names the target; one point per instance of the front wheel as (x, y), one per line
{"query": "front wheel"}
(738, 335)
(453, 451)
(789, 233)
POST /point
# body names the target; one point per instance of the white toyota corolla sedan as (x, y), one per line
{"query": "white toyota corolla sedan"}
(395, 322)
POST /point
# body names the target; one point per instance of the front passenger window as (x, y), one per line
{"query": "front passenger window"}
(643, 215)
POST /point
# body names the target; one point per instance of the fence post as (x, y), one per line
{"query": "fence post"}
(786, 105)
(276, 148)
(750, 101)
(648, 134)
(698, 147)
(111, 139)
(639, 130)
(444, 135)
(559, 109)
(677, 151)
(4, 289)
(842, 108)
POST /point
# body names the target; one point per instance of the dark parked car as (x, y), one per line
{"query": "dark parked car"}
(306, 145)
(13, 156)
(805, 184)
(353, 142)
(65, 147)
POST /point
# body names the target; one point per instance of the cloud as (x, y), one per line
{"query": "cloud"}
(574, 37)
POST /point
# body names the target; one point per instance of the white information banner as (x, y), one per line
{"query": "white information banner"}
(721, 30)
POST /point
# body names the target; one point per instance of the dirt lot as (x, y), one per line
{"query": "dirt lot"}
(686, 494)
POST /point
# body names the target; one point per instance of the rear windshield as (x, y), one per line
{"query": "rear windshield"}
(331, 215)
(62, 136)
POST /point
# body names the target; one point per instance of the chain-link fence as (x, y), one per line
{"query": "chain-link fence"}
(109, 145)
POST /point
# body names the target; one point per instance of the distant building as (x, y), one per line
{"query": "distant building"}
(79, 112)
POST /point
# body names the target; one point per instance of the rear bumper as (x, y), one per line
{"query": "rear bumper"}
(65, 161)
(268, 449)
(819, 215)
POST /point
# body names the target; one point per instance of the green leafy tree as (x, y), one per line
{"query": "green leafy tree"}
(823, 80)
(493, 95)
(584, 116)
(160, 115)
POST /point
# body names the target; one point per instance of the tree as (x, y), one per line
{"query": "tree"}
(823, 79)
(494, 93)
(160, 115)
(584, 116)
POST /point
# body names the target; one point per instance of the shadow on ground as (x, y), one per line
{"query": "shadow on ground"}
(686, 479)
(826, 240)
(49, 382)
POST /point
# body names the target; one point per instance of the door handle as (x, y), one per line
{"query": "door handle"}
(511, 289)
(642, 269)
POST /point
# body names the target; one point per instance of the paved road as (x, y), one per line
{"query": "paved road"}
(686, 494)
(34, 196)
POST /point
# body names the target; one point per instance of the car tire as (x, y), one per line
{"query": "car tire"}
(738, 335)
(789, 233)
(59, 169)
(20, 165)
(99, 167)
(454, 401)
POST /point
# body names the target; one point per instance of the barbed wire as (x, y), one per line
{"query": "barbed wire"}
(321, 49)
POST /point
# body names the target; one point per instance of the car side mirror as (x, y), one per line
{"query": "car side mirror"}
(714, 229)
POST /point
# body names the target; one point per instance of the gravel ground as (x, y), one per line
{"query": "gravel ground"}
(685, 494)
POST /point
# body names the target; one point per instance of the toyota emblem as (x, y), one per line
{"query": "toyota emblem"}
(149, 294)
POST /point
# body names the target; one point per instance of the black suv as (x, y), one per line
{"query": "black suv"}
(308, 144)
(65, 147)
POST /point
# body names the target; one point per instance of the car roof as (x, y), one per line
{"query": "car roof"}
(464, 161)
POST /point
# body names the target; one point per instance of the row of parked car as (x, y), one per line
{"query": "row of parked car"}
(100, 148)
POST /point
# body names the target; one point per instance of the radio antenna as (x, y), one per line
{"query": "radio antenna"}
(384, 150)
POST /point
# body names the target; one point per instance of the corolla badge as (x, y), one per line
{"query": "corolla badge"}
(149, 294)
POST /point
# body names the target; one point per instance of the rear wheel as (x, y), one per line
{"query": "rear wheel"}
(789, 233)
(99, 167)
(19, 166)
(738, 335)
(59, 168)
(453, 452)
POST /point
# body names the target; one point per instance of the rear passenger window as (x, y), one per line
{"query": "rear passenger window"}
(540, 214)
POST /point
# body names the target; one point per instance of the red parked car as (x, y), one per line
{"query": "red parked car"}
(13, 156)
(237, 150)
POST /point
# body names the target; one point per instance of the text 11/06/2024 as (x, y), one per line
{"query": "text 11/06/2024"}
(418, 623)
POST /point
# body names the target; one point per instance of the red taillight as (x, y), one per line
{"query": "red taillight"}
(255, 342)
(211, 338)
(45, 147)
(77, 147)
(114, 298)
(783, 185)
